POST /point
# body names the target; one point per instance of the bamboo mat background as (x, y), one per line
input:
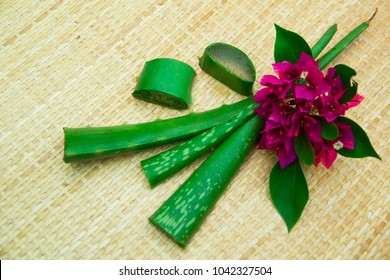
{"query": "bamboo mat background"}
(75, 63)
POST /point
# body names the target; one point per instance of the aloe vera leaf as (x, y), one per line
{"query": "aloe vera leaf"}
(323, 41)
(88, 143)
(230, 66)
(324, 60)
(166, 82)
(165, 164)
(183, 212)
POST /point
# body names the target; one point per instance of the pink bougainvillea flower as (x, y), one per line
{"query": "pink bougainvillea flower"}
(286, 153)
(294, 101)
(324, 153)
(326, 150)
(275, 137)
(312, 128)
(355, 101)
(314, 81)
(287, 71)
(345, 139)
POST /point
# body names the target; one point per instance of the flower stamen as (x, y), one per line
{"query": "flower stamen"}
(314, 111)
(338, 145)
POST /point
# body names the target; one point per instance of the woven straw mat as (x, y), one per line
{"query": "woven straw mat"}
(75, 63)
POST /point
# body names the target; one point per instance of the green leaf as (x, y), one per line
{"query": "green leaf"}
(289, 192)
(363, 147)
(346, 73)
(304, 148)
(329, 131)
(341, 45)
(324, 41)
(289, 46)
(350, 94)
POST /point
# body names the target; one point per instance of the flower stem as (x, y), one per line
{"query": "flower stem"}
(324, 60)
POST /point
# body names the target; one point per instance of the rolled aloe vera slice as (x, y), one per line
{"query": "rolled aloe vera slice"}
(327, 58)
(165, 164)
(166, 82)
(230, 66)
(182, 213)
(88, 143)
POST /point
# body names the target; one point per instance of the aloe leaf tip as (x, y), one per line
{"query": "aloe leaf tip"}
(372, 17)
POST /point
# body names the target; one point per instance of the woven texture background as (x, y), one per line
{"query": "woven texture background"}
(75, 63)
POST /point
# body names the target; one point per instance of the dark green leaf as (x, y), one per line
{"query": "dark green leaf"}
(304, 148)
(350, 94)
(289, 45)
(329, 131)
(363, 147)
(289, 192)
(346, 73)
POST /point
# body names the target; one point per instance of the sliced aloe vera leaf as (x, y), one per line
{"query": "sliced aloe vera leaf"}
(167, 163)
(87, 143)
(230, 66)
(181, 215)
(166, 82)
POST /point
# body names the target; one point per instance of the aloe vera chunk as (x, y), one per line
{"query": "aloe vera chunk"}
(230, 66)
(166, 82)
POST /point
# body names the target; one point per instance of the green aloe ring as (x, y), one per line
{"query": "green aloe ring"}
(230, 66)
(167, 82)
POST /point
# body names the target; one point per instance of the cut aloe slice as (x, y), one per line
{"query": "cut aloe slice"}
(230, 66)
(182, 214)
(166, 82)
